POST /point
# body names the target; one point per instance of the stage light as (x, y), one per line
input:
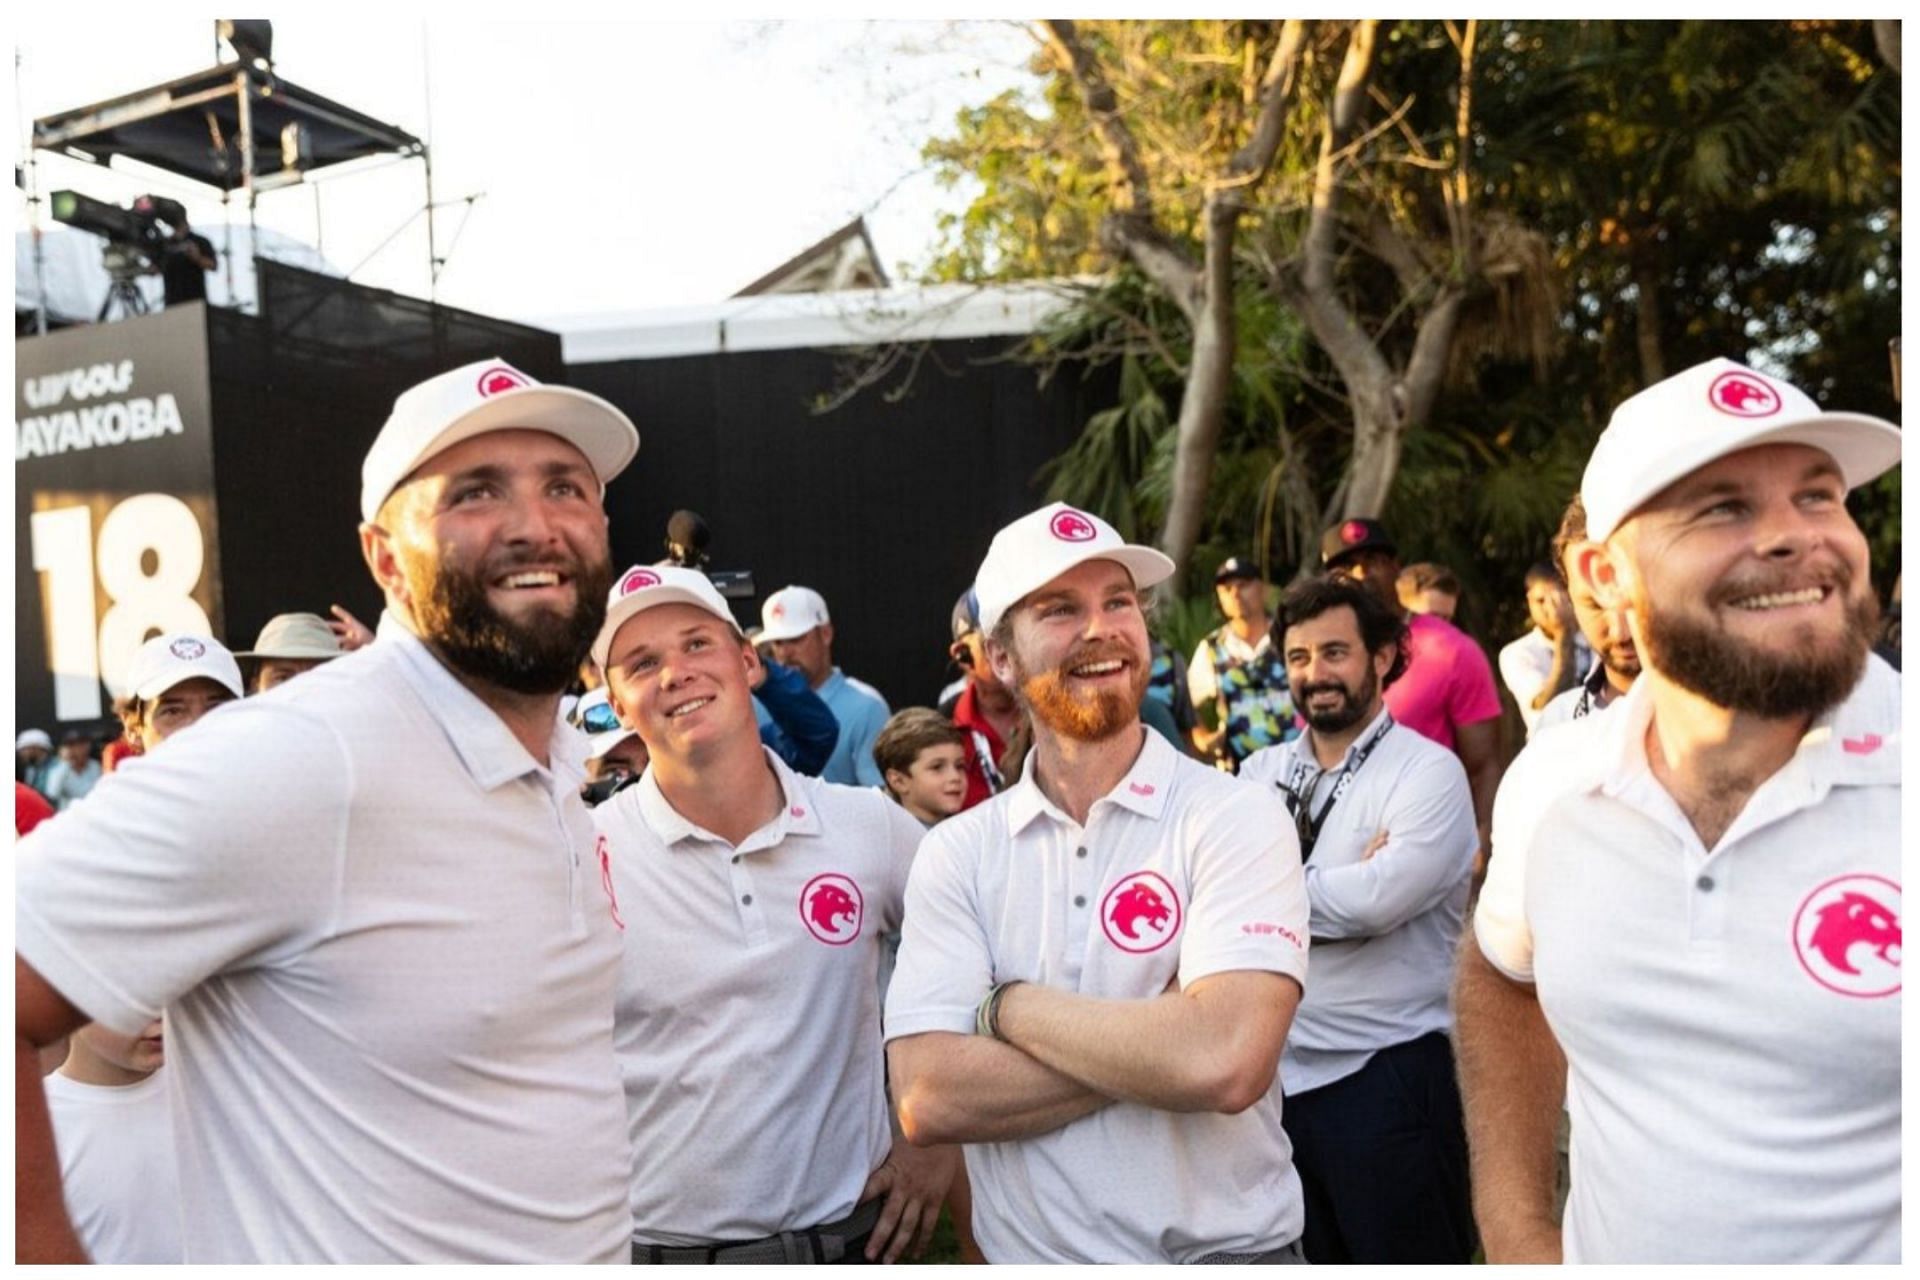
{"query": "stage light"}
(251, 39)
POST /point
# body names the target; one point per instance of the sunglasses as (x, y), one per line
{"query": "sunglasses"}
(598, 718)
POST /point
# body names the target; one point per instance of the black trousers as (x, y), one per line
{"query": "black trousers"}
(1382, 1157)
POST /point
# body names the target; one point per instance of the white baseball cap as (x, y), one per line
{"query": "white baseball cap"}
(33, 738)
(166, 661)
(490, 395)
(1677, 426)
(1042, 545)
(644, 586)
(595, 717)
(295, 635)
(790, 613)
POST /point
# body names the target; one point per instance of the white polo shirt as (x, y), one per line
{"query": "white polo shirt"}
(748, 1024)
(1526, 663)
(1731, 1018)
(1385, 927)
(388, 964)
(1179, 870)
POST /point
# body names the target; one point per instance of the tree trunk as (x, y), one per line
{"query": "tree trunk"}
(1203, 402)
(1646, 288)
(1204, 292)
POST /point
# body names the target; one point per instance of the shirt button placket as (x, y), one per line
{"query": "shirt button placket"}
(747, 903)
(1708, 898)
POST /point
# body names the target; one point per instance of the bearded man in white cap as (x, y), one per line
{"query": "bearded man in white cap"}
(368, 899)
(1100, 964)
(1691, 925)
(753, 901)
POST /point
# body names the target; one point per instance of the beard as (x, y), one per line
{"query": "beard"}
(1085, 717)
(538, 654)
(1809, 677)
(1354, 702)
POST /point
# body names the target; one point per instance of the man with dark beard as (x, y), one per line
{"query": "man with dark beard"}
(1696, 896)
(1099, 964)
(1385, 820)
(367, 899)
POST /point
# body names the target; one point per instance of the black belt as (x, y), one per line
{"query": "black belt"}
(828, 1243)
(1286, 1253)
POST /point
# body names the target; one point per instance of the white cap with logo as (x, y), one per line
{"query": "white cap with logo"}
(644, 586)
(166, 661)
(490, 395)
(790, 613)
(1679, 425)
(1042, 545)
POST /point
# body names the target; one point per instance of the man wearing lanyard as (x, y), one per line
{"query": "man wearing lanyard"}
(1385, 818)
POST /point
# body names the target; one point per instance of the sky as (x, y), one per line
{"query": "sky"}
(612, 164)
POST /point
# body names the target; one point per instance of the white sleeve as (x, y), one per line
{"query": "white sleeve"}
(1521, 672)
(946, 961)
(1248, 907)
(222, 852)
(1202, 688)
(1500, 917)
(902, 833)
(1429, 851)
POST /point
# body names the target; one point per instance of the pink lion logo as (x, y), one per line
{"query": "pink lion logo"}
(638, 579)
(1847, 935)
(1137, 904)
(1071, 526)
(1743, 396)
(1854, 920)
(499, 379)
(831, 907)
(1141, 913)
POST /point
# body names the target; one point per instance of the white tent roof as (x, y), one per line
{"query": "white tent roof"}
(855, 317)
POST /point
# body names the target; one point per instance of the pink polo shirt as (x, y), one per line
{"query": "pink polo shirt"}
(1448, 681)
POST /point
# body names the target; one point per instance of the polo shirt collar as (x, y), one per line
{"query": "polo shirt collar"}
(482, 740)
(1856, 743)
(1299, 748)
(831, 685)
(1143, 790)
(797, 816)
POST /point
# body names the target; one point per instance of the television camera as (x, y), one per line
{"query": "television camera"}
(139, 237)
(687, 538)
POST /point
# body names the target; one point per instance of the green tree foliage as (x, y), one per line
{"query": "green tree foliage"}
(1644, 195)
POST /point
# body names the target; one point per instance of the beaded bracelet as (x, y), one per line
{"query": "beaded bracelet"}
(986, 1017)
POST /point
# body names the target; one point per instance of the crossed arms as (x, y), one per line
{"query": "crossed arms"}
(1213, 1046)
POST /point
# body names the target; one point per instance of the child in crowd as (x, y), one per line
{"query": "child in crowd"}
(924, 760)
(109, 1107)
(108, 1100)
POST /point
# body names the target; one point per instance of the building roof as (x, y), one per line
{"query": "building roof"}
(844, 260)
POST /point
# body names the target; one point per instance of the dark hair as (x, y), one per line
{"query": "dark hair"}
(908, 733)
(1379, 625)
(1428, 576)
(1541, 571)
(1573, 528)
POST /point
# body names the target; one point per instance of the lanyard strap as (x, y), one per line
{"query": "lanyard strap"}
(983, 753)
(1300, 790)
